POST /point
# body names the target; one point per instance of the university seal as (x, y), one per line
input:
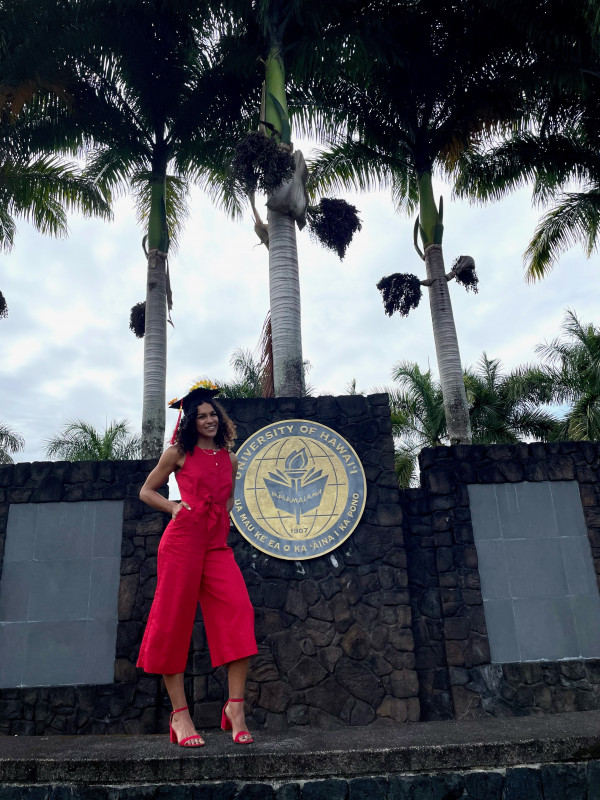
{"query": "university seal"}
(300, 490)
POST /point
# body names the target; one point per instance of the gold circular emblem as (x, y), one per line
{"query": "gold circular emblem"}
(300, 489)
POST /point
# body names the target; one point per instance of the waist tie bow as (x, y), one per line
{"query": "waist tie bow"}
(207, 505)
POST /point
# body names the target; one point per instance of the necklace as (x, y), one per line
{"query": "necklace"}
(209, 453)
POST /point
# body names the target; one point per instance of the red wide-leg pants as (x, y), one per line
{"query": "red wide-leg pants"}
(196, 565)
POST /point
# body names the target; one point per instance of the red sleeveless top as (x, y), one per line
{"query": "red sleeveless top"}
(205, 476)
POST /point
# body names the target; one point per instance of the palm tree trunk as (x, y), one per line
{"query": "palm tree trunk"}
(442, 318)
(284, 290)
(284, 282)
(155, 338)
(446, 348)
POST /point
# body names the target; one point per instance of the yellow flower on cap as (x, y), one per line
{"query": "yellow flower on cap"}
(204, 384)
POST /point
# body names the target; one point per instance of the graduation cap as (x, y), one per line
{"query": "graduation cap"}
(198, 393)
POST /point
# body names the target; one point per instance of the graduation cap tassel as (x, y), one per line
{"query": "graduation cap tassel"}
(174, 437)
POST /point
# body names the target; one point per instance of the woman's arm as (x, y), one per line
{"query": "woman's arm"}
(234, 466)
(158, 477)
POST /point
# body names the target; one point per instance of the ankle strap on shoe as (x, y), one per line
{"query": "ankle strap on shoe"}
(236, 700)
(176, 710)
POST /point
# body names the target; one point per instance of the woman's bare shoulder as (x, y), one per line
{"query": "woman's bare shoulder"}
(172, 458)
(172, 455)
(233, 458)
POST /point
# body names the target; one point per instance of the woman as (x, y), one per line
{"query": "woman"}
(196, 565)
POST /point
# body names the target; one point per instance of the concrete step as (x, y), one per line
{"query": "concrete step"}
(560, 744)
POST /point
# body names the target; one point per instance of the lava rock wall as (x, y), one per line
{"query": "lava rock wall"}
(452, 652)
(334, 633)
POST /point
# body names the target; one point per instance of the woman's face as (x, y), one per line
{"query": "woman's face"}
(207, 421)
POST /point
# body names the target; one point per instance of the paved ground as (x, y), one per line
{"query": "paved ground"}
(303, 752)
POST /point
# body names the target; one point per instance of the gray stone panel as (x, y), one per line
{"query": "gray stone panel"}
(484, 512)
(567, 507)
(13, 649)
(100, 638)
(535, 568)
(56, 653)
(493, 569)
(586, 612)
(22, 523)
(545, 629)
(14, 591)
(106, 545)
(500, 617)
(104, 587)
(64, 530)
(59, 593)
(579, 565)
(538, 581)
(526, 513)
(59, 590)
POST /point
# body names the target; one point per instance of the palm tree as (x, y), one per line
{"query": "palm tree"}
(80, 441)
(248, 379)
(35, 184)
(552, 161)
(40, 189)
(555, 147)
(571, 362)
(173, 110)
(505, 409)
(156, 110)
(304, 39)
(418, 418)
(10, 442)
(441, 79)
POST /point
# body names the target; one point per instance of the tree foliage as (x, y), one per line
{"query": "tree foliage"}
(506, 408)
(418, 418)
(554, 141)
(11, 442)
(80, 441)
(571, 363)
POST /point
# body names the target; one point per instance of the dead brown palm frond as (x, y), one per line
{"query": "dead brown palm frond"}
(265, 347)
(15, 96)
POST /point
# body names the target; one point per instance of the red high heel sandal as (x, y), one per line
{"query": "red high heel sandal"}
(226, 724)
(173, 735)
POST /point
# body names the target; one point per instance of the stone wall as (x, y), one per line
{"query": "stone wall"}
(334, 633)
(129, 704)
(390, 626)
(451, 643)
(579, 781)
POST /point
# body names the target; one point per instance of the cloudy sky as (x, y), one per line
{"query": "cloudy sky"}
(67, 352)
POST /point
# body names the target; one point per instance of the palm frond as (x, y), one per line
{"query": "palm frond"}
(547, 162)
(177, 207)
(348, 166)
(574, 220)
(41, 190)
(80, 441)
(10, 442)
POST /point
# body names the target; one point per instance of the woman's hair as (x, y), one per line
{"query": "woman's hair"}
(187, 435)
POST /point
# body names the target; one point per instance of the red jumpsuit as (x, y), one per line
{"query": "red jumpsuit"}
(196, 565)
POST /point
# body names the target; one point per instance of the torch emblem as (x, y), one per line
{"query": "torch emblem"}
(300, 489)
(297, 489)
